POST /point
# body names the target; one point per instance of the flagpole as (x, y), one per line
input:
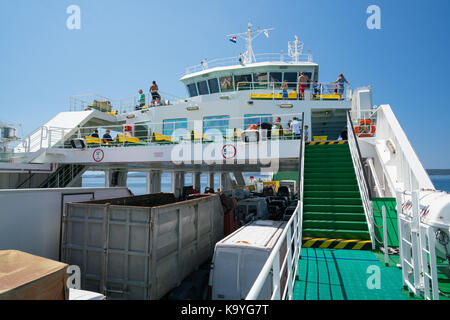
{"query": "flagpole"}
(249, 36)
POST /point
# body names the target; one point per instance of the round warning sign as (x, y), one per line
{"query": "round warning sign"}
(228, 151)
(98, 155)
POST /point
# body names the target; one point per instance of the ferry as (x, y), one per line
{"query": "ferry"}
(366, 222)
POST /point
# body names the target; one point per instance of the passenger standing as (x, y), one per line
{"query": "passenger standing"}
(156, 98)
(340, 84)
(284, 88)
(306, 133)
(302, 84)
(296, 127)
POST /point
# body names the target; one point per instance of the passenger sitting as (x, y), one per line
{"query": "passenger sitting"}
(253, 127)
(107, 137)
(95, 134)
(141, 100)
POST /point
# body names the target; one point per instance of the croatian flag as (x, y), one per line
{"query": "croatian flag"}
(233, 39)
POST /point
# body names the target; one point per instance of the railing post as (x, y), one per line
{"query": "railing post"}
(276, 277)
(289, 238)
(400, 230)
(415, 225)
(433, 267)
(386, 253)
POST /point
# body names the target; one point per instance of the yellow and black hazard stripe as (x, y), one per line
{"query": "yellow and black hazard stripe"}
(336, 243)
(320, 143)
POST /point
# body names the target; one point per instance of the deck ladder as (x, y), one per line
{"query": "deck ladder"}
(417, 251)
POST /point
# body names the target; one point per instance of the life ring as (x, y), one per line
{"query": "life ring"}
(366, 128)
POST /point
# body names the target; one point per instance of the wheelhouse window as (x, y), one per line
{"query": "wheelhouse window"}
(260, 80)
(291, 78)
(219, 123)
(202, 88)
(226, 84)
(170, 125)
(275, 79)
(213, 85)
(243, 82)
(192, 89)
(250, 119)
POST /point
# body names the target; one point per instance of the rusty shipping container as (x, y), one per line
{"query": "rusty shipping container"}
(140, 247)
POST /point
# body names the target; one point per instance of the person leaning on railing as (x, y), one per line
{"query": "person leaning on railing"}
(340, 84)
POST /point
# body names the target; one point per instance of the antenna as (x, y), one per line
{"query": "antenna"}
(249, 36)
(295, 49)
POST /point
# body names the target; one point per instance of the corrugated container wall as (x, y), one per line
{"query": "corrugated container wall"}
(140, 247)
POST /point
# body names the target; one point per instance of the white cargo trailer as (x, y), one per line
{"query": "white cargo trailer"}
(140, 247)
(239, 258)
(30, 219)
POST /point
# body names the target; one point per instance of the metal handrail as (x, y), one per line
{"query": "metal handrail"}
(361, 175)
(290, 261)
(230, 61)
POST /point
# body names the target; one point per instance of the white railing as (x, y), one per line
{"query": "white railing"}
(409, 170)
(417, 250)
(374, 176)
(291, 238)
(230, 61)
(196, 131)
(361, 179)
(113, 106)
(312, 90)
(43, 137)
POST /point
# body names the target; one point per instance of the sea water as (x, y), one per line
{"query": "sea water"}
(136, 181)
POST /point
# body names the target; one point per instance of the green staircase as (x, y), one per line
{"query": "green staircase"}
(332, 209)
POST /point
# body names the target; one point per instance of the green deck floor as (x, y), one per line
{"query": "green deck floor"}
(391, 220)
(327, 274)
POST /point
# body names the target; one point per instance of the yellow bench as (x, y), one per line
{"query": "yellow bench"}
(235, 136)
(120, 138)
(328, 97)
(262, 96)
(195, 136)
(92, 140)
(114, 113)
(161, 138)
(320, 138)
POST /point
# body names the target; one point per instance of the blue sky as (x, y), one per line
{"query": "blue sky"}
(123, 45)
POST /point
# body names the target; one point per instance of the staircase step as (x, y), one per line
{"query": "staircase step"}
(350, 244)
(332, 201)
(329, 170)
(331, 193)
(328, 155)
(330, 187)
(335, 225)
(330, 182)
(330, 175)
(328, 163)
(336, 234)
(333, 208)
(335, 216)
